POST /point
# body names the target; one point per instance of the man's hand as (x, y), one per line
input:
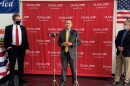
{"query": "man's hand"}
(67, 44)
(120, 48)
(26, 51)
(64, 44)
(9, 48)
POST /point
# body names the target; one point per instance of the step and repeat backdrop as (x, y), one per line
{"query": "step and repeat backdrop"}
(92, 19)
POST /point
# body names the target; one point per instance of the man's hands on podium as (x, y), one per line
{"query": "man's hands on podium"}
(67, 44)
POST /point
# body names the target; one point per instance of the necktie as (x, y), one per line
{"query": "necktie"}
(17, 36)
(67, 39)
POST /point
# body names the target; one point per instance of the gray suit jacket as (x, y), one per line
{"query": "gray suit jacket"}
(72, 39)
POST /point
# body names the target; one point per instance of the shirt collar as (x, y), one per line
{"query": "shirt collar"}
(68, 30)
(15, 25)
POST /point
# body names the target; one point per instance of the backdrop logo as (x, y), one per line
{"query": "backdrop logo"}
(107, 66)
(63, 18)
(42, 41)
(88, 42)
(51, 53)
(100, 30)
(80, 30)
(55, 6)
(43, 18)
(33, 6)
(43, 64)
(25, 18)
(99, 55)
(107, 43)
(77, 6)
(101, 5)
(87, 66)
(108, 18)
(88, 18)
(35, 30)
(26, 63)
(80, 54)
(54, 29)
(34, 52)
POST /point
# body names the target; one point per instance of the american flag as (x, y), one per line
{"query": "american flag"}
(4, 63)
(123, 10)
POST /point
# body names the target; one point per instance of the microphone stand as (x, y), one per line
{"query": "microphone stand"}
(77, 84)
(54, 83)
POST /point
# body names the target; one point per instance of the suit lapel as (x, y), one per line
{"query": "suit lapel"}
(64, 35)
(70, 35)
(11, 28)
(127, 36)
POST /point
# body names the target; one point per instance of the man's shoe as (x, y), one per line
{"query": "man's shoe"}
(115, 83)
(62, 84)
(22, 80)
(11, 82)
(125, 84)
(74, 84)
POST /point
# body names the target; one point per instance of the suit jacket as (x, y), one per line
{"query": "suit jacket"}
(72, 39)
(125, 44)
(8, 37)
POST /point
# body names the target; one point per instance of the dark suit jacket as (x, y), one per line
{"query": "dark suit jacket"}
(126, 43)
(8, 37)
(72, 39)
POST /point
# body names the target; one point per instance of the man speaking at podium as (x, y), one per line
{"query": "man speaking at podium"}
(16, 44)
(67, 42)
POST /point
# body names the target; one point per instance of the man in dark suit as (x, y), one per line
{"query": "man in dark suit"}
(67, 42)
(16, 44)
(123, 54)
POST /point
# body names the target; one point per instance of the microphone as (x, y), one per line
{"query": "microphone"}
(75, 34)
(53, 34)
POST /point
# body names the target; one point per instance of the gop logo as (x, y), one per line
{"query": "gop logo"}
(43, 18)
(33, 5)
(107, 43)
(41, 41)
(54, 29)
(55, 5)
(63, 18)
(100, 4)
(100, 30)
(25, 17)
(43, 64)
(107, 66)
(77, 6)
(34, 52)
(108, 18)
